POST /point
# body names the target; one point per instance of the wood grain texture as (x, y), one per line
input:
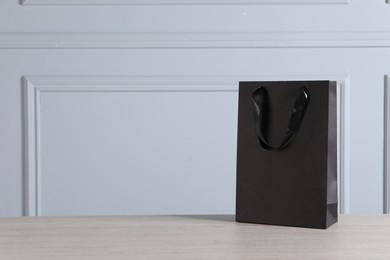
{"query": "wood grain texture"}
(189, 237)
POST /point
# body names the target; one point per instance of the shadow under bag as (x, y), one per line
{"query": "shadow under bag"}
(287, 153)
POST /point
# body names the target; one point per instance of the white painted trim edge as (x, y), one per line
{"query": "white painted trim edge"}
(344, 146)
(176, 40)
(181, 2)
(31, 147)
(34, 85)
(386, 151)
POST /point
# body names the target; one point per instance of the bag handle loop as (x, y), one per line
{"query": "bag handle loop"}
(259, 98)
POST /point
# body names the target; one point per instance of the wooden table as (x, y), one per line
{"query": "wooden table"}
(189, 237)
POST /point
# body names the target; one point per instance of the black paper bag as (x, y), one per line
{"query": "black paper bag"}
(287, 153)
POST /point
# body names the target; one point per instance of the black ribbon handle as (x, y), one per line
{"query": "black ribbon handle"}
(259, 98)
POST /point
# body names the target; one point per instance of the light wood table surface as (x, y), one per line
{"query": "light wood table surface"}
(189, 237)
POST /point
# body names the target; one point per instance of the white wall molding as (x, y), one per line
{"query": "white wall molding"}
(31, 149)
(180, 2)
(386, 159)
(343, 113)
(35, 85)
(194, 40)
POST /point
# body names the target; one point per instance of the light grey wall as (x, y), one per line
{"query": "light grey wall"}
(132, 109)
